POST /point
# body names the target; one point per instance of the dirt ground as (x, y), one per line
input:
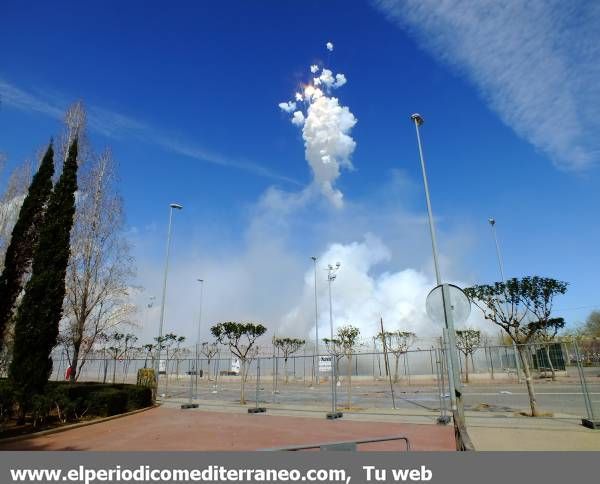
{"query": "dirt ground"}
(172, 429)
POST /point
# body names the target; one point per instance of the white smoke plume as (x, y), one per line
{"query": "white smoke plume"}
(361, 295)
(326, 127)
(288, 107)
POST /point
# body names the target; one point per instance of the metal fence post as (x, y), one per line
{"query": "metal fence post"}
(590, 421)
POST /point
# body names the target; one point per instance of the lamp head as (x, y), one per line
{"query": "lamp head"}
(492, 221)
(176, 205)
(337, 265)
(417, 118)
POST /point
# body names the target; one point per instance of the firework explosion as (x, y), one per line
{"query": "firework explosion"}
(326, 127)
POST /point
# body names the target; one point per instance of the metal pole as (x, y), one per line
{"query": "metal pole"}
(316, 371)
(164, 289)
(201, 281)
(449, 323)
(333, 389)
(418, 121)
(500, 263)
(387, 363)
(584, 389)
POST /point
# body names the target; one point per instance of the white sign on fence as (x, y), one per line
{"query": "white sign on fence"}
(325, 364)
(162, 367)
(235, 366)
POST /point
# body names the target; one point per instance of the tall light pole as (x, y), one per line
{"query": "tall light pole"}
(316, 363)
(201, 281)
(331, 275)
(492, 222)
(172, 206)
(452, 356)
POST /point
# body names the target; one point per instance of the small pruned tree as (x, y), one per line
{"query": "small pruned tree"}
(547, 335)
(169, 343)
(522, 308)
(287, 346)
(467, 341)
(398, 343)
(209, 350)
(240, 338)
(345, 345)
(121, 345)
(149, 353)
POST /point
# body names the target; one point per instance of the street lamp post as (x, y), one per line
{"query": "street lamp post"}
(331, 275)
(452, 357)
(316, 362)
(172, 206)
(201, 281)
(492, 222)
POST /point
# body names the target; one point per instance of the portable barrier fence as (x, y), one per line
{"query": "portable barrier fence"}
(565, 377)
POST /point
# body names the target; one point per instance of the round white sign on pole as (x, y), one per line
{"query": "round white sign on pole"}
(459, 305)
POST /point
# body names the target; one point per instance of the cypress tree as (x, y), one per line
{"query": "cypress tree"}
(24, 238)
(38, 316)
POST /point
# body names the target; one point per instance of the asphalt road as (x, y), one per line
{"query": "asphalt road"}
(559, 397)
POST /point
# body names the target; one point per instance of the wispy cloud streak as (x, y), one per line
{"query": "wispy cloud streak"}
(535, 62)
(119, 126)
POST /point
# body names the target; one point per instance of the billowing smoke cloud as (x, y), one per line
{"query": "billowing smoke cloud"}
(361, 295)
(326, 127)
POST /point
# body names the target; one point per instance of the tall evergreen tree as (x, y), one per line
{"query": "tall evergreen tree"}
(39, 314)
(24, 238)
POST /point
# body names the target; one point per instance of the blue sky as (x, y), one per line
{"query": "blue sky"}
(186, 95)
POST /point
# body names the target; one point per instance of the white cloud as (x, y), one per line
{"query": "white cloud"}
(535, 62)
(314, 68)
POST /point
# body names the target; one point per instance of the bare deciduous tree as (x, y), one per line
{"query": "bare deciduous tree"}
(100, 267)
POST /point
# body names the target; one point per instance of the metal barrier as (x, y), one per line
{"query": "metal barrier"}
(349, 445)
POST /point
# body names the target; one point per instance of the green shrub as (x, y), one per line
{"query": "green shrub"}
(7, 400)
(69, 402)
